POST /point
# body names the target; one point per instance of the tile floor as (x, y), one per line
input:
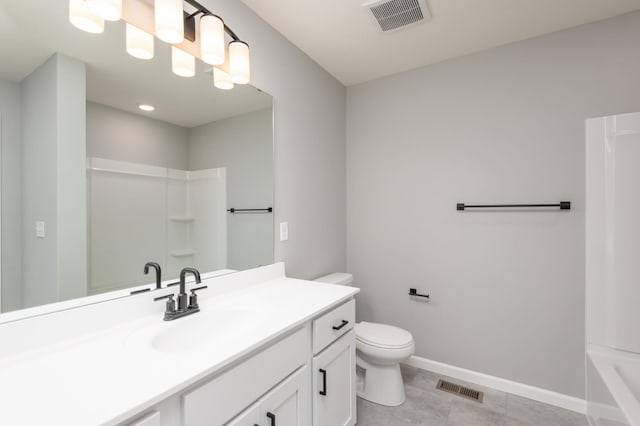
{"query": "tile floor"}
(430, 407)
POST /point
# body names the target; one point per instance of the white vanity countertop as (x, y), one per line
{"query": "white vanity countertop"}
(110, 375)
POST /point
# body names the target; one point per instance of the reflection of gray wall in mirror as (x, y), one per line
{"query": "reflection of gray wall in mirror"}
(49, 107)
(120, 135)
(11, 197)
(226, 143)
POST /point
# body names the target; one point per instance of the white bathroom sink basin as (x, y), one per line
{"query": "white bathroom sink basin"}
(206, 329)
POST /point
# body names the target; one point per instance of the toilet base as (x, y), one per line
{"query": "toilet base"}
(381, 384)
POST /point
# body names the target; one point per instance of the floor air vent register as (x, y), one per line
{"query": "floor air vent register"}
(462, 391)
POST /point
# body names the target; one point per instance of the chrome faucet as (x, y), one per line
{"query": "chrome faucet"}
(155, 266)
(182, 309)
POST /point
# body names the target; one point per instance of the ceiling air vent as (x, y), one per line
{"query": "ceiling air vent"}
(392, 15)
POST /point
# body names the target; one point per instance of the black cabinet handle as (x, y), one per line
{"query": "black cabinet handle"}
(323, 392)
(344, 322)
(273, 418)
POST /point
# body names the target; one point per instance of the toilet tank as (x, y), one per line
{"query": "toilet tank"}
(339, 278)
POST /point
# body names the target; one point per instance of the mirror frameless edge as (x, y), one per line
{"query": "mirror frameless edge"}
(106, 63)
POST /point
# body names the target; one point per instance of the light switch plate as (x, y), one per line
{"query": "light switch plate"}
(39, 229)
(284, 231)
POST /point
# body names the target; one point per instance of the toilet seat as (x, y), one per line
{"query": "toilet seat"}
(382, 336)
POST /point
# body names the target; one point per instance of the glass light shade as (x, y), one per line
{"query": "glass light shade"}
(169, 21)
(139, 43)
(182, 63)
(83, 18)
(221, 79)
(239, 64)
(111, 10)
(212, 39)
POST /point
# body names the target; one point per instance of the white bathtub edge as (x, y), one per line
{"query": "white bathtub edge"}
(604, 360)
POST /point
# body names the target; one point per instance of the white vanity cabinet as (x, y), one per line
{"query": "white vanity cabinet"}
(272, 387)
(334, 368)
(218, 400)
(307, 377)
(286, 405)
(252, 356)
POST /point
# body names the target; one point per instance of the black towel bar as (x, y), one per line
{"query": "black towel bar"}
(563, 205)
(265, 210)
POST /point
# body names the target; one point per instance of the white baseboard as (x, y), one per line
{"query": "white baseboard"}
(537, 394)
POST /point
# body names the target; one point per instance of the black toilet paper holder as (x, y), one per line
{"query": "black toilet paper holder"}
(414, 292)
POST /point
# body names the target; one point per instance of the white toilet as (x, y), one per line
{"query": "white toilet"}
(380, 349)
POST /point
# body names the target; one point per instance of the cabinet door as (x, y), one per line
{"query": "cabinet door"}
(334, 383)
(249, 417)
(288, 403)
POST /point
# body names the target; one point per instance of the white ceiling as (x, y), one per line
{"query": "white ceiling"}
(33, 30)
(342, 38)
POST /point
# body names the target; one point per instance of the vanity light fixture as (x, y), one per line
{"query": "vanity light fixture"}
(110, 10)
(222, 80)
(172, 24)
(212, 39)
(239, 68)
(139, 43)
(169, 21)
(82, 17)
(146, 107)
(182, 63)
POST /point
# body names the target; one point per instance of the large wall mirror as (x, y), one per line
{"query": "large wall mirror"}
(93, 188)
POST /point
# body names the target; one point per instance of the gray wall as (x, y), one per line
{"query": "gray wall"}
(123, 136)
(71, 185)
(309, 139)
(11, 197)
(504, 125)
(244, 145)
(39, 104)
(53, 182)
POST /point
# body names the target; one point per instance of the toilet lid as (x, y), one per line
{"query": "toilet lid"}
(382, 335)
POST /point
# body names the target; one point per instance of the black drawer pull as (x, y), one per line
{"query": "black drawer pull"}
(344, 322)
(273, 418)
(323, 392)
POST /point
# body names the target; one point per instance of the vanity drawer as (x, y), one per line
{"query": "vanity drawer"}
(333, 324)
(226, 395)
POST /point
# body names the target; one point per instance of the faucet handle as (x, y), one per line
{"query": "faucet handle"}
(170, 307)
(193, 299)
(166, 296)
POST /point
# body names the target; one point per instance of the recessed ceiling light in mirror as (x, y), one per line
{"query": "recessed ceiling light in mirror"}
(146, 107)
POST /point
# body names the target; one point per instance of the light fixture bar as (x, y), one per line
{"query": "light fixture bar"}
(201, 9)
